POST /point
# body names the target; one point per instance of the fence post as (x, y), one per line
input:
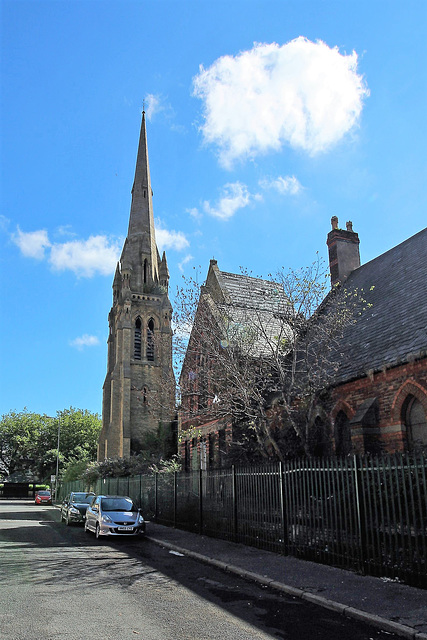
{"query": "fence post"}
(200, 501)
(234, 495)
(175, 498)
(360, 511)
(283, 517)
(156, 488)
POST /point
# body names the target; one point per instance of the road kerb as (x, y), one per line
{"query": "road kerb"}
(383, 623)
(350, 612)
(324, 602)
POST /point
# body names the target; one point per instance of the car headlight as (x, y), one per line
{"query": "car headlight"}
(140, 519)
(74, 510)
(106, 518)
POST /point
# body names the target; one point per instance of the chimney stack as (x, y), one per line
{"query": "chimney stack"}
(343, 249)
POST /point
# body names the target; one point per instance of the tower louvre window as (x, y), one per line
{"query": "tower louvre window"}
(137, 340)
(145, 270)
(150, 340)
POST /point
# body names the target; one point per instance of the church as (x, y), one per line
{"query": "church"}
(375, 398)
(375, 402)
(139, 390)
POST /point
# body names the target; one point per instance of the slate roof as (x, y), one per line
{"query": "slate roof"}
(394, 330)
(251, 306)
(253, 293)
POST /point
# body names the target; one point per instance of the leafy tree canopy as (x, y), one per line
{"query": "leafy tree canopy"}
(29, 441)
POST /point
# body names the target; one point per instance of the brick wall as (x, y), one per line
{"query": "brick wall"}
(390, 387)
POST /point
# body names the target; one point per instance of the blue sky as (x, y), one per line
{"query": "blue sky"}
(264, 119)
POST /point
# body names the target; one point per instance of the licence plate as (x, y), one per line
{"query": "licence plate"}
(125, 528)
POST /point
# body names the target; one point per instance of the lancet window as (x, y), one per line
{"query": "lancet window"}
(137, 340)
(150, 340)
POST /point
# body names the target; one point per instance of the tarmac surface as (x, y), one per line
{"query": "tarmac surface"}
(382, 602)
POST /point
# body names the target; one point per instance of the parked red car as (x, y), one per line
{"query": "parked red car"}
(43, 497)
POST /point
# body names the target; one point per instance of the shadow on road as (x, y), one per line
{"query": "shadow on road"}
(73, 559)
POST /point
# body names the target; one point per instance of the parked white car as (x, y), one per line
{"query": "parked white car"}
(114, 516)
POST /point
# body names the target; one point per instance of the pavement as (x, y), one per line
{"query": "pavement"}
(381, 602)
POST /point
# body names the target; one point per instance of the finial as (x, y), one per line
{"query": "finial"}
(143, 105)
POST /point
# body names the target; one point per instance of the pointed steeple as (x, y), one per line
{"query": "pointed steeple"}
(139, 364)
(140, 251)
(164, 271)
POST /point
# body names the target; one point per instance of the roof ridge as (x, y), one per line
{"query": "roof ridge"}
(243, 275)
(395, 248)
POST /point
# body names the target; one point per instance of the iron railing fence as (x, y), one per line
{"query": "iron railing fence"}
(362, 513)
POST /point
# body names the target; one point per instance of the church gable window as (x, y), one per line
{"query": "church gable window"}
(318, 439)
(342, 434)
(414, 418)
(150, 340)
(137, 340)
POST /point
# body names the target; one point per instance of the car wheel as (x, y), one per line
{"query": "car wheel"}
(86, 529)
(97, 531)
(67, 519)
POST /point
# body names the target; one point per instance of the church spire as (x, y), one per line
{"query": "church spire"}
(140, 251)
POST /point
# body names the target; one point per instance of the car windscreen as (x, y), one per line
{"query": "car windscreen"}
(117, 504)
(43, 493)
(82, 498)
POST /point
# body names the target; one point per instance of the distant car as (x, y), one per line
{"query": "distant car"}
(114, 516)
(73, 508)
(43, 497)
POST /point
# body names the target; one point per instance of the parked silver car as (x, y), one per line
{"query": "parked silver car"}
(114, 516)
(73, 507)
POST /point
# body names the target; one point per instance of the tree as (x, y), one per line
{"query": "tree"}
(20, 437)
(29, 441)
(262, 365)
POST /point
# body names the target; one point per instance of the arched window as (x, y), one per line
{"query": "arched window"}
(318, 438)
(414, 418)
(137, 340)
(342, 435)
(150, 340)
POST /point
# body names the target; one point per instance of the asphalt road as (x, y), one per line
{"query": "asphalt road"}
(59, 582)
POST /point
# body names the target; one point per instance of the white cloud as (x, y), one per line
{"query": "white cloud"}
(170, 239)
(304, 94)
(32, 243)
(234, 196)
(183, 262)
(4, 223)
(283, 184)
(84, 341)
(194, 213)
(98, 255)
(183, 330)
(152, 105)
(66, 230)
(86, 258)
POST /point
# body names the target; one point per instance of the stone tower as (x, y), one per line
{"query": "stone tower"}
(139, 388)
